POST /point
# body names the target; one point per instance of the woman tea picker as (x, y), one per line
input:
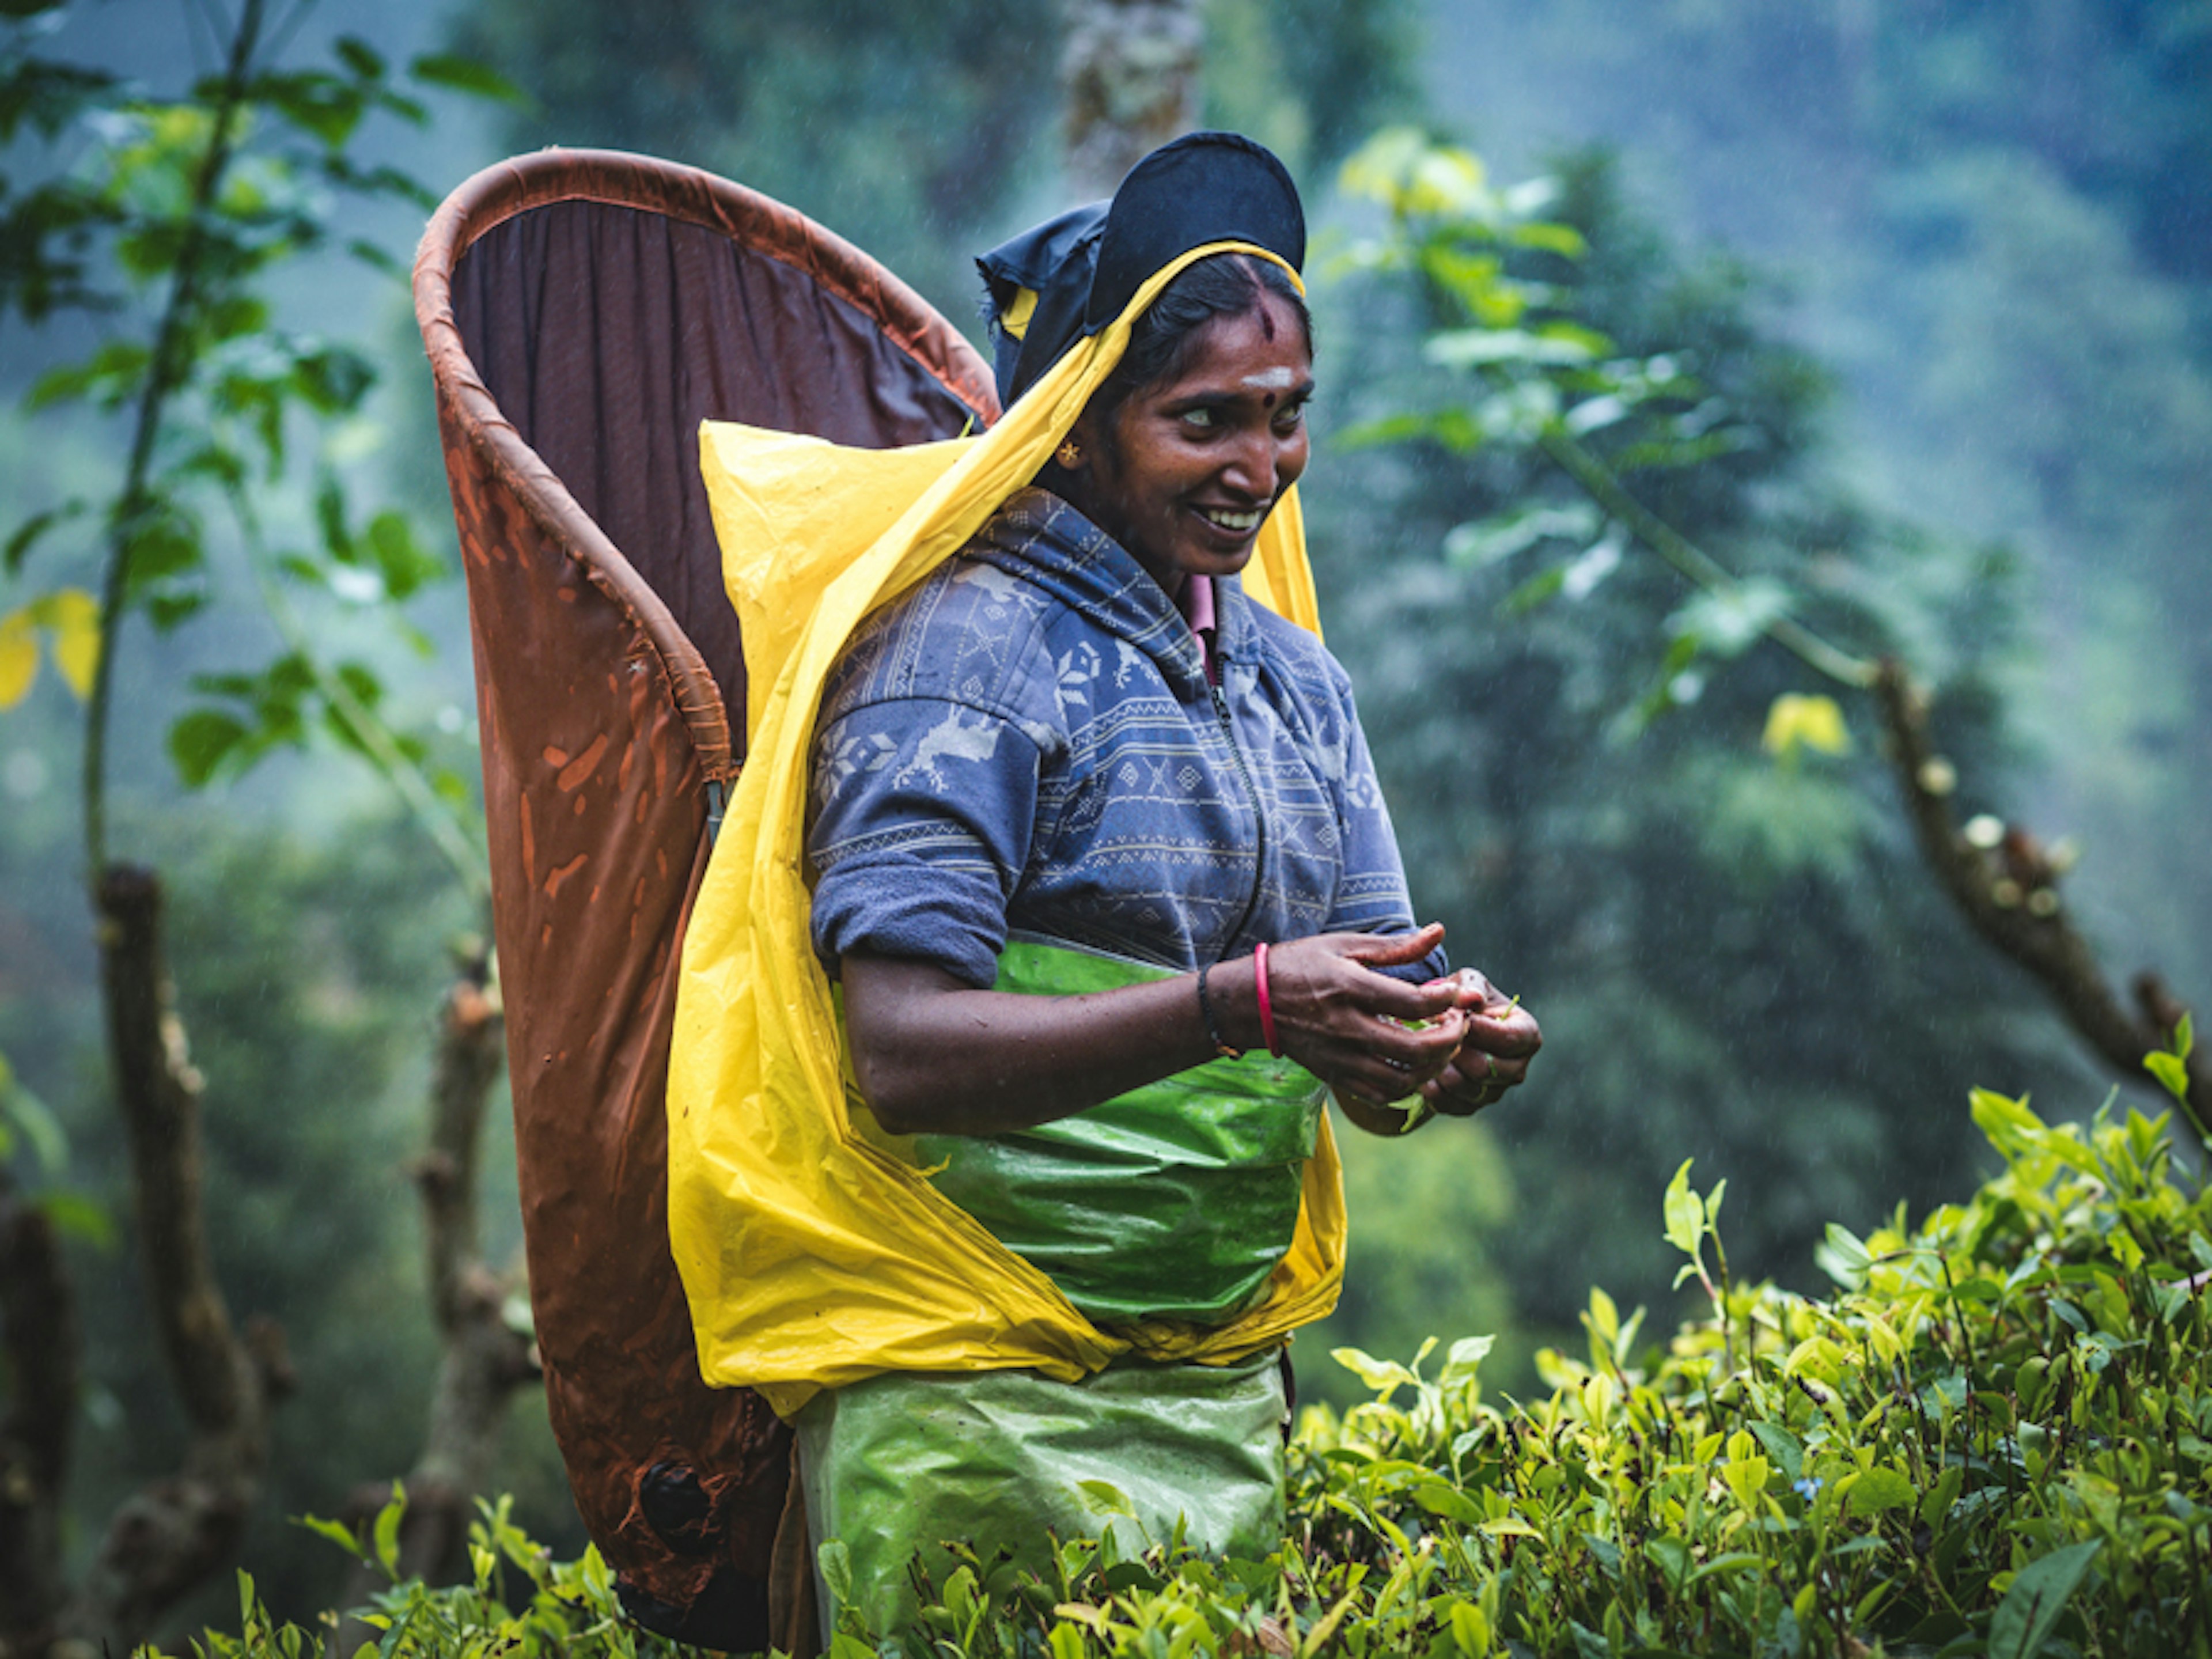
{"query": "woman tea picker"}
(1110, 896)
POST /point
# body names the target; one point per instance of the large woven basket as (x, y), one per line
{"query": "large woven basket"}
(583, 311)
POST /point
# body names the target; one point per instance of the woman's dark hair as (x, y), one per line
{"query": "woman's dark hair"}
(1223, 285)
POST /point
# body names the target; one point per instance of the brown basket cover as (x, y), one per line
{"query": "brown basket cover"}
(583, 311)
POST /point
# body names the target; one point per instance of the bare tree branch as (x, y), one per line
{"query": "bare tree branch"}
(177, 1530)
(485, 1360)
(2007, 892)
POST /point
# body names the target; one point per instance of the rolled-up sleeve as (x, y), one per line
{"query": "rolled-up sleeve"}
(922, 817)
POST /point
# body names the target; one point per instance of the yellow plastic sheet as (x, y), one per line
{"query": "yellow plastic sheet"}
(812, 1251)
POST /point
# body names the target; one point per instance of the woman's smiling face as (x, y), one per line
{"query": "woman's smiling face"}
(1186, 469)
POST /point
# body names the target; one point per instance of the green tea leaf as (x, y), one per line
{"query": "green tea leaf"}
(1846, 1258)
(385, 1534)
(1684, 1212)
(1104, 1498)
(1380, 1374)
(836, 1562)
(2169, 1071)
(1878, 1489)
(1463, 1359)
(343, 1536)
(2023, 1621)
(1783, 1447)
(1439, 1499)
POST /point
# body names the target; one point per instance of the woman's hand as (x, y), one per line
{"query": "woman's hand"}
(935, 1056)
(1372, 1038)
(1501, 1037)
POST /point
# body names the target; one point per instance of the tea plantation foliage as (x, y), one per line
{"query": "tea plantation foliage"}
(1992, 1438)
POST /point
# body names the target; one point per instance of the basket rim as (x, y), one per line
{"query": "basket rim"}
(507, 189)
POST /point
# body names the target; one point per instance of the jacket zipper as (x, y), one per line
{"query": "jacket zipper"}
(1259, 818)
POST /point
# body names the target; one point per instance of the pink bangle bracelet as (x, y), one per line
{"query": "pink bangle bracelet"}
(1266, 1005)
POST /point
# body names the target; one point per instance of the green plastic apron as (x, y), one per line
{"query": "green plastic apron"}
(1175, 1200)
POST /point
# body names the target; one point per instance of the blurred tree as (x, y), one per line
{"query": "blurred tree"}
(1311, 78)
(901, 127)
(163, 220)
(921, 134)
(310, 962)
(1998, 217)
(1130, 72)
(1733, 948)
(2106, 94)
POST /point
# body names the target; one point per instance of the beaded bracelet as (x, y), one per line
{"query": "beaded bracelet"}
(1213, 1029)
(1267, 1003)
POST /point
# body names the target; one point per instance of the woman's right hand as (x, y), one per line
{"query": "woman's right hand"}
(1355, 1028)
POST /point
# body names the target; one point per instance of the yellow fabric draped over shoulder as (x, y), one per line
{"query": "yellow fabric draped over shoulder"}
(812, 1249)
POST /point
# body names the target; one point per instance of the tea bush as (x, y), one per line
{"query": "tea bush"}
(1992, 1439)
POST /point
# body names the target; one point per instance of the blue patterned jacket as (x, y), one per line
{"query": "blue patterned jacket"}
(1028, 742)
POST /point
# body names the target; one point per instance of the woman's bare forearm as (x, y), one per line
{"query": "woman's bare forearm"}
(935, 1057)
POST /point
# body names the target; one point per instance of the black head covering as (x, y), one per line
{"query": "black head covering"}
(1086, 265)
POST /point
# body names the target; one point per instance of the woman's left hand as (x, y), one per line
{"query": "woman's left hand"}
(1501, 1038)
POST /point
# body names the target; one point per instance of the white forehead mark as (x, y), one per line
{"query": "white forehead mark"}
(1272, 379)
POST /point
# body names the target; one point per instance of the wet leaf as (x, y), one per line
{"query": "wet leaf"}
(386, 1533)
(1488, 541)
(1103, 1497)
(1879, 1489)
(1794, 722)
(19, 658)
(466, 74)
(202, 741)
(31, 530)
(1684, 1211)
(2025, 1619)
(71, 616)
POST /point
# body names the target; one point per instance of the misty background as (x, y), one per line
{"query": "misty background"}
(1948, 267)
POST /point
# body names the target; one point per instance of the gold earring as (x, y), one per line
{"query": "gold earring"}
(1069, 454)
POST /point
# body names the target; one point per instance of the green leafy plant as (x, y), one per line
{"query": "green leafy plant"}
(1990, 1439)
(1507, 328)
(165, 226)
(165, 220)
(518, 1602)
(1994, 1437)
